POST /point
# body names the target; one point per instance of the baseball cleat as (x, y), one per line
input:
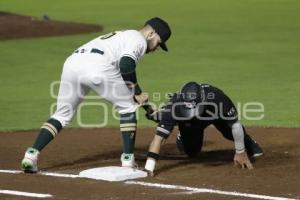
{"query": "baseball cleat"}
(253, 149)
(128, 160)
(29, 162)
(179, 143)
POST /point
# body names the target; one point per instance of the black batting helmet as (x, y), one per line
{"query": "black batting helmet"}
(188, 103)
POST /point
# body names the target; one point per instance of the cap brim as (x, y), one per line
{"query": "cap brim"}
(164, 46)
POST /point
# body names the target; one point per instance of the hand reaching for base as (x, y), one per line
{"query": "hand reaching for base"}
(150, 173)
(242, 160)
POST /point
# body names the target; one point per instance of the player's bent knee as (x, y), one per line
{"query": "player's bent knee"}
(128, 118)
(64, 114)
(64, 121)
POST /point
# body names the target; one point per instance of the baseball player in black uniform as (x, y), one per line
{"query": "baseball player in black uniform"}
(193, 108)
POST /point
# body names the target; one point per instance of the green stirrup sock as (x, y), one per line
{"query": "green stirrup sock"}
(128, 130)
(47, 132)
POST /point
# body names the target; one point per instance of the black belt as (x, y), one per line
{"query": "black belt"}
(92, 51)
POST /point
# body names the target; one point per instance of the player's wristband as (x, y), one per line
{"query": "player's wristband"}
(155, 156)
(150, 164)
(239, 151)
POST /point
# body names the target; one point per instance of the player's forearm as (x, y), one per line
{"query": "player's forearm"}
(238, 136)
(127, 69)
(153, 153)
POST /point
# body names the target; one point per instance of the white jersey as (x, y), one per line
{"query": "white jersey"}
(95, 66)
(117, 44)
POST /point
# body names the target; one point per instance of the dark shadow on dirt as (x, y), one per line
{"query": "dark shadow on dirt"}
(107, 158)
(209, 158)
(92, 160)
(212, 158)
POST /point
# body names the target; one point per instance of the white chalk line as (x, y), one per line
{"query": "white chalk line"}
(26, 194)
(205, 190)
(189, 190)
(42, 173)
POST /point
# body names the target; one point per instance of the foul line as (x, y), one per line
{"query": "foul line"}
(189, 190)
(26, 194)
(42, 173)
(204, 190)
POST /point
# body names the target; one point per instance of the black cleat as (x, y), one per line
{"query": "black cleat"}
(179, 143)
(253, 149)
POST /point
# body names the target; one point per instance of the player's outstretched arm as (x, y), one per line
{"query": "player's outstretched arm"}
(153, 154)
(240, 158)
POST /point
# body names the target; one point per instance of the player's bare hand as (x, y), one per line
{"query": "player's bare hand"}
(242, 160)
(150, 173)
(141, 99)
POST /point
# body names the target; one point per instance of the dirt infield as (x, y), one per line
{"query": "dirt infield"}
(14, 26)
(275, 174)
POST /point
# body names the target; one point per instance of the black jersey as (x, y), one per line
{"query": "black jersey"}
(217, 108)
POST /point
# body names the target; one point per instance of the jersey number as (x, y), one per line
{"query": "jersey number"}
(108, 35)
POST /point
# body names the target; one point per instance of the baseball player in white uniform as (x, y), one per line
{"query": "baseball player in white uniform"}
(107, 66)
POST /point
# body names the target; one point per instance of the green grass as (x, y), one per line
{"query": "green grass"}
(250, 49)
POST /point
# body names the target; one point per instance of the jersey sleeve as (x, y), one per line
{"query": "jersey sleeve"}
(167, 123)
(134, 45)
(228, 112)
(127, 69)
